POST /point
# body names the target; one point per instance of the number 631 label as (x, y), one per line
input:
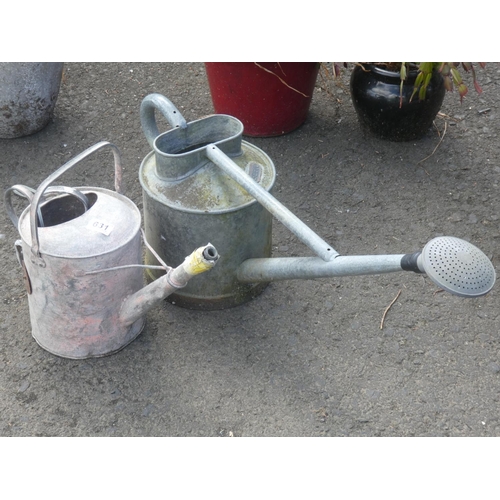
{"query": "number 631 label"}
(100, 226)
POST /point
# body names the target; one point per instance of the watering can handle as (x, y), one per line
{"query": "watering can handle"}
(37, 196)
(27, 192)
(20, 190)
(149, 105)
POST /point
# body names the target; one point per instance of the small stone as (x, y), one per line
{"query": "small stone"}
(148, 410)
(494, 367)
(456, 217)
(24, 386)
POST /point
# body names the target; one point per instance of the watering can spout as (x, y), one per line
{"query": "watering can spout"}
(453, 264)
(138, 304)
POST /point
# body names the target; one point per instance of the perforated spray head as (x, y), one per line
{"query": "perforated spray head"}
(455, 265)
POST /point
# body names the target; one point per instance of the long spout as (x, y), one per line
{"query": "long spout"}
(138, 304)
(453, 264)
(272, 269)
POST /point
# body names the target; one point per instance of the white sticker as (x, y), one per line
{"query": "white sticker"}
(101, 227)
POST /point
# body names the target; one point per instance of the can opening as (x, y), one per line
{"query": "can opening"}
(63, 209)
(215, 129)
(193, 147)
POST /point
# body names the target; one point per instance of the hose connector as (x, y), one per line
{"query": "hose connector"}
(201, 260)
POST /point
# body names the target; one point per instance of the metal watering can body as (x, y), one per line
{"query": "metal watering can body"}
(81, 255)
(186, 198)
(202, 177)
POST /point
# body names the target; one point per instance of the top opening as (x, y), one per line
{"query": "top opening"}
(63, 209)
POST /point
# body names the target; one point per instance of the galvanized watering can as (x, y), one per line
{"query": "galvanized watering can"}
(202, 179)
(81, 255)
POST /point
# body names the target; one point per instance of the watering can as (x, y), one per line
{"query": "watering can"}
(81, 255)
(201, 178)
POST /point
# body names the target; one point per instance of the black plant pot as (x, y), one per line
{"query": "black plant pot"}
(376, 98)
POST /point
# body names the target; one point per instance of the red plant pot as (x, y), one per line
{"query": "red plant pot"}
(268, 103)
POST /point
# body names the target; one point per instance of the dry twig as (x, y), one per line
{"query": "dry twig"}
(387, 309)
(438, 144)
(280, 79)
(444, 116)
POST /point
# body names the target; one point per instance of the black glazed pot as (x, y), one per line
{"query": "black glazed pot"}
(376, 98)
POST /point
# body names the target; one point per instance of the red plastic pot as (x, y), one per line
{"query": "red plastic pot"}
(268, 103)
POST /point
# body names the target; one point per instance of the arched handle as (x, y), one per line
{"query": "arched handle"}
(149, 105)
(35, 244)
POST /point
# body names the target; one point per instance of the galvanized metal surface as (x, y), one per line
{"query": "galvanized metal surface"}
(255, 270)
(180, 182)
(28, 193)
(301, 230)
(201, 260)
(75, 315)
(83, 270)
(208, 206)
(180, 151)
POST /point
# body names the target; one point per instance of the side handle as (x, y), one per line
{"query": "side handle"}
(20, 258)
(20, 190)
(28, 193)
